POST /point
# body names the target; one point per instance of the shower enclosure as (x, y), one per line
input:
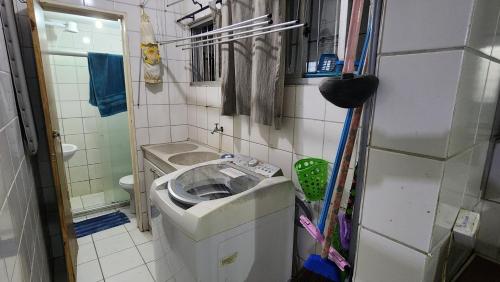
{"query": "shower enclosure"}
(103, 155)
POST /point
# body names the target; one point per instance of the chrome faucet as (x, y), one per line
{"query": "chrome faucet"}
(217, 129)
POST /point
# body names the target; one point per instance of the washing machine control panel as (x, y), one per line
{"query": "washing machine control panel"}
(265, 169)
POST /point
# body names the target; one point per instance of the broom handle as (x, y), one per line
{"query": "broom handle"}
(350, 57)
(344, 169)
(353, 36)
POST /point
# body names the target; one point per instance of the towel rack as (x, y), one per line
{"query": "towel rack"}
(70, 53)
(67, 53)
(201, 9)
(237, 26)
(243, 37)
(173, 3)
(17, 71)
(237, 34)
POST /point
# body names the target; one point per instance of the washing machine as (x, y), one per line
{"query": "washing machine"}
(223, 220)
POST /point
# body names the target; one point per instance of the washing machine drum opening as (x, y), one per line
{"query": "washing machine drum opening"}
(210, 182)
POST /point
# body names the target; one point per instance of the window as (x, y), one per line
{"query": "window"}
(204, 59)
(321, 35)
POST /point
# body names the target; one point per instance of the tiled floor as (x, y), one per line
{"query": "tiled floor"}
(121, 253)
(87, 201)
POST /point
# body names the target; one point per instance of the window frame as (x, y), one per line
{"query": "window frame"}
(206, 20)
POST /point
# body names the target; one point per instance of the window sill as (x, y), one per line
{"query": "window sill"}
(303, 81)
(288, 82)
(205, 83)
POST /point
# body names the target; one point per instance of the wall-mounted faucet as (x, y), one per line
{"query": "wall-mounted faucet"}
(217, 129)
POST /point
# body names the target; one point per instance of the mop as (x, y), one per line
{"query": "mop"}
(350, 91)
(343, 139)
(320, 268)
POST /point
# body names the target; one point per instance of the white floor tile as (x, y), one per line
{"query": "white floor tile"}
(108, 233)
(113, 244)
(126, 211)
(86, 253)
(152, 269)
(146, 251)
(84, 240)
(120, 262)
(140, 237)
(140, 273)
(89, 272)
(76, 203)
(132, 225)
(92, 200)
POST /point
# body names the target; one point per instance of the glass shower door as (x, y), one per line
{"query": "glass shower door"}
(115, 156)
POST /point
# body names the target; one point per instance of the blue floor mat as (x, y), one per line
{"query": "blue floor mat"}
(96, 224)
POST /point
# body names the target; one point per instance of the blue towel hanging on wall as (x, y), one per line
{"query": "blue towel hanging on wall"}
(107, 83)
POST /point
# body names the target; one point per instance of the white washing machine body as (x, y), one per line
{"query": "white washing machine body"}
(244, 232)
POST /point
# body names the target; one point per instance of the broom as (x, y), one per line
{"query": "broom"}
(320, 268)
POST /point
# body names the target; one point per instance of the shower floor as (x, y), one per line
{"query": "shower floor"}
(85, 202)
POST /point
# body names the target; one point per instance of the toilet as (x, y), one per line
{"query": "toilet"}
(127, 183)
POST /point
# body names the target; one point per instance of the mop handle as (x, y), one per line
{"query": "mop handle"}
(336, 166)
(333, 255)
(353, 35)
(340, 149)
(344, 169)
(350, 57)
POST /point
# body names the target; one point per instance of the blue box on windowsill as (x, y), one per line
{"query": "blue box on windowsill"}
(329, 66)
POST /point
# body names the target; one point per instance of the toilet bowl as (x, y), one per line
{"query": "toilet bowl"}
(127, 183)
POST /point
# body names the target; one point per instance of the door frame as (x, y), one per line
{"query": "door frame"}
(67, 230)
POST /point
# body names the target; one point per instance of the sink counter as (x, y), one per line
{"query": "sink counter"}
(161, 154)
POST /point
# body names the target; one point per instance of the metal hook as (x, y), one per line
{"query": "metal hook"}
(197, 3)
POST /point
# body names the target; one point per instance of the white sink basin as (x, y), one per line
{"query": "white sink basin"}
(172, 148)
(191, 158)
(69, 151)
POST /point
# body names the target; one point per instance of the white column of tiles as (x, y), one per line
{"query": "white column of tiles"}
(429, 134)
(23, 256)
(41, 162)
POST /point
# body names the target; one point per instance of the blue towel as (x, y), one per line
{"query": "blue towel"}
(107, 83)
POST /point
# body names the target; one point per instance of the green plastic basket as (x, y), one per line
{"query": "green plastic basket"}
(312, 174)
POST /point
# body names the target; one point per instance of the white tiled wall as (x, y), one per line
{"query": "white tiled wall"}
(398, 262)
(400, 200)
(422, 102)
(427, 24)
(160, 110)
(429, 133)
(305, 132)
(22, 249)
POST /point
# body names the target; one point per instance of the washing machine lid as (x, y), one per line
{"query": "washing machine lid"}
(210, 182)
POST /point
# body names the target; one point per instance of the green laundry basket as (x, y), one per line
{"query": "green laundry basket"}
(312, 174)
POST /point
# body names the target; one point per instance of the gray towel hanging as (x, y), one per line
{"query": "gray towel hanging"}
(253, 68)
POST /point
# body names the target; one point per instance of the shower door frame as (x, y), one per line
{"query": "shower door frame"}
(53, 136)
